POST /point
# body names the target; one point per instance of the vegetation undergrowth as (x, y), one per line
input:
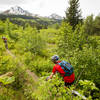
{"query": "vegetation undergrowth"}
(33, 48)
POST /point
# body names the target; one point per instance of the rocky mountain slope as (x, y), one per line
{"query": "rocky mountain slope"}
(17, 11)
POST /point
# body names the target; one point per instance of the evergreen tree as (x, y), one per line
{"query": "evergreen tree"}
(73, 13)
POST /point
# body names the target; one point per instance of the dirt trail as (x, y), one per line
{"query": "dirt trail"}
(31, 74)
(10, 54)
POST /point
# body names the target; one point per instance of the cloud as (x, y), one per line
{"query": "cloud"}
(41, 4)
(12, 2)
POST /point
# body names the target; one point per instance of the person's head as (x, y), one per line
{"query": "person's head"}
(54, 58)
(4, 38)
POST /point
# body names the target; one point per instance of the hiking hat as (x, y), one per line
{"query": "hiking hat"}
(54, 58)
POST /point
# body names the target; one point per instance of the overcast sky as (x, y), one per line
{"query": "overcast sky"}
(47, 7)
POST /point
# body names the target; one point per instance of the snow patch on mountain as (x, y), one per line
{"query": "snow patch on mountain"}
(17, 11)
(55, 16)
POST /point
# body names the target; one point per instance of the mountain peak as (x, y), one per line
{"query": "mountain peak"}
(17, 11)
(55, 16)
(16, 8)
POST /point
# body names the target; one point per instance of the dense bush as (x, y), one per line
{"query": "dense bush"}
(81, 51)
(30, 40)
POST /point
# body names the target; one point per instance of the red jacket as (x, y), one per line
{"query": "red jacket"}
(68, 79)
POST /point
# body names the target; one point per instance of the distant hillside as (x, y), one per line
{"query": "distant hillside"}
(39, 22)
(19, 16)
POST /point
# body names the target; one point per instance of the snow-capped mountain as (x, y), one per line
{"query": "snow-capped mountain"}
(55, 16)
(17, 11)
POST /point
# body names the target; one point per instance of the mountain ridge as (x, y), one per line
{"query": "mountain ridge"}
(17, 10)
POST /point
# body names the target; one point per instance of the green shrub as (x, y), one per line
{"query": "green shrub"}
(40, 65)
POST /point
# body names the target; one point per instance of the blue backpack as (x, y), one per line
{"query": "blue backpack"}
(68, 69)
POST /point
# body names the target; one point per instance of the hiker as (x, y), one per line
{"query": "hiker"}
(5, 41)
(64, 68)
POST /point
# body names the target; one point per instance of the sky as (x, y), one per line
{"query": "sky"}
(47, 7)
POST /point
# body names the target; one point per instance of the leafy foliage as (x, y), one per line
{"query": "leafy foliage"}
(30, 40)
(89, 25)
(81, 51)
(7, 80)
